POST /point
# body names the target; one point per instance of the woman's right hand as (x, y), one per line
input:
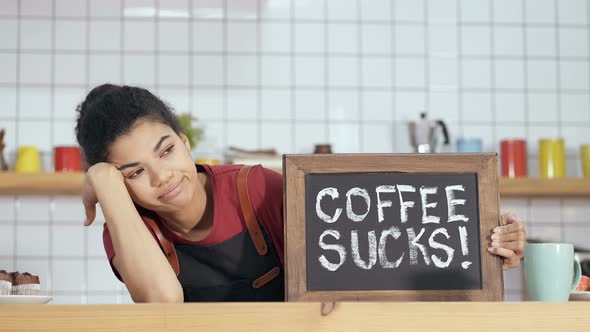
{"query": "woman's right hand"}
(99, 174)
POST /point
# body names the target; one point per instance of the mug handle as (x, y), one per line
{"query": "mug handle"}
(577, 273)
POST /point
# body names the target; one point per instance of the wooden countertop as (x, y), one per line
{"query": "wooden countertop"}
(359, 316)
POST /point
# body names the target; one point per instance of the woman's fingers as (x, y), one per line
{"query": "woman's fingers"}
(508, 240)
(515, 246)
(510, 263)
(516, 226)
(507, 237)
(507, 218)
(511, 258)
(89, 200)
(506, 253)
(90, 213)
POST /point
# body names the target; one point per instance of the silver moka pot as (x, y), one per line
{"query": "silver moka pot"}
(424, 134)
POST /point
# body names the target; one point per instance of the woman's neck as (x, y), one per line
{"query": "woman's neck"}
(196, 220)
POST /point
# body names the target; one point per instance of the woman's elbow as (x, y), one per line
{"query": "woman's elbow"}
(164, 297)
(173, 298)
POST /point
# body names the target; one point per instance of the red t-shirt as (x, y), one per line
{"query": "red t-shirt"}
(265, 188)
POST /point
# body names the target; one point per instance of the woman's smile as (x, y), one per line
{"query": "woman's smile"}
(173, 191)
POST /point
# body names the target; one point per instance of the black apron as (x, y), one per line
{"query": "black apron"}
(243, 268)
(228, 271)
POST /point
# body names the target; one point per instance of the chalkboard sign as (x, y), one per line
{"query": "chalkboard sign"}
(391, 227)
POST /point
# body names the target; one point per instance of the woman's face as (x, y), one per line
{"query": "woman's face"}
(159, 172)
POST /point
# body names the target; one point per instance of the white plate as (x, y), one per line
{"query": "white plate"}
(22, 299)
(580, 296)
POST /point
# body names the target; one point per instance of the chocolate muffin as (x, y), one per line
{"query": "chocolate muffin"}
(5, 283)
(25, 284)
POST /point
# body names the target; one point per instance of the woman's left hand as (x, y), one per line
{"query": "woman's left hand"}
(508, 240)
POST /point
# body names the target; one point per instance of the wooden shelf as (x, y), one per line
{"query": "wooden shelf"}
(540, 187)
(41, 183)
(71, 184)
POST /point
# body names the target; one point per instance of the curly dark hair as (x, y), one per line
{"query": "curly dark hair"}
(110, 111)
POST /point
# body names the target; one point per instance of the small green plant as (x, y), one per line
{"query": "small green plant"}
(194, 134)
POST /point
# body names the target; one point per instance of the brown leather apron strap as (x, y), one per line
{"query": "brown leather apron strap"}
(267, 277)
(248, 212)
(165, 244)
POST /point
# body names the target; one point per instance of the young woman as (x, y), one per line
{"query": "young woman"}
(176, 231)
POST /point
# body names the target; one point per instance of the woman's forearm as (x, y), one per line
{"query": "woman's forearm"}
(138, 258)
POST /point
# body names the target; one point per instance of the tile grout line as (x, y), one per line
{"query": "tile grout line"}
(314, 87)
(18, 95)
(493, 88)
(15, 210)
(52, 76)
(122, 52)
(588, 41)
(459, 36)
(426, 58)
(16, 204)
(18, 56)
(284, 20)
(393, 58)
(559, 108)
(224, 115)
(51, 205)
(308, 87)
(157, 57)
(410, 56)
(191, 64)
(292, 97)
(326, 87)
(470, 122)
(259, 76)
(87, 44)
(558, 68)
(527, 108)
(360, 97)
(51, 257)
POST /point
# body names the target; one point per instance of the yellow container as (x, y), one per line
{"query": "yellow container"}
(585, 156)
(551, 157)
(207, 161)
(28, 160)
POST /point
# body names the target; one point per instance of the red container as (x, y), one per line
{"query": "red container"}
(67, 159)
(514, 157)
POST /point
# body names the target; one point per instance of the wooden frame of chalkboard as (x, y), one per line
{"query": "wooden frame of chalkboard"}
(298, 168)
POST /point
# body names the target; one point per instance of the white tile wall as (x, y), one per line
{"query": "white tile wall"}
(8, 28)
(68, 240)
(242, 104)
(36, 34)
(70, 8)
(7, 238)
(288, 74)
(242, 70)
(75, 278)
(276, 104)
(376, 39)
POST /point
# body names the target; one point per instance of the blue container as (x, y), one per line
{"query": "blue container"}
(469, 145)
